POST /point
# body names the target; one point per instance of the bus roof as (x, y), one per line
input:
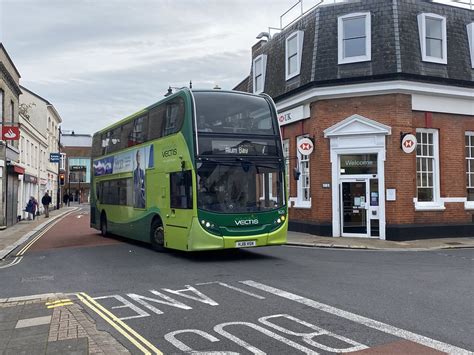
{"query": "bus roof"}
(184, 89)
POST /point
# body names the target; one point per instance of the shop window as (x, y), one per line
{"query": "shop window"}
(432, 31)
(181, 190)
(354, 38)
(259, 69)
(427, 170)
(293, 52)
(470, 167)
(470, 36)
(303, 197)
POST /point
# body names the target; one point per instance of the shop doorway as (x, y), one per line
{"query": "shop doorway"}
(354, 208)
(359, 201)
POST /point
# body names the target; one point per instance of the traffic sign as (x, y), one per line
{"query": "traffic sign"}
(409, 143)
(54, 157)
(305, 146)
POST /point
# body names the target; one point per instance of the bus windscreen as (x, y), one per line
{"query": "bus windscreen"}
(234, 113)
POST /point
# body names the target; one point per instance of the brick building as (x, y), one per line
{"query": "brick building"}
(358, 78)
(77, 153)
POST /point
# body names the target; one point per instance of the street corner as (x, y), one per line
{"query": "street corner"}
(52, 324)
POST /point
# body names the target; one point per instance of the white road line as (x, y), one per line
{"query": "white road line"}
(386, 328)
(232, 288)
(14, 262)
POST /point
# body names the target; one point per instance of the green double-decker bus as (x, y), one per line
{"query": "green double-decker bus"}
(198, 170)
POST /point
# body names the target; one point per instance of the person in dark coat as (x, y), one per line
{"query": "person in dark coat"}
(66, 199)
(46, 201)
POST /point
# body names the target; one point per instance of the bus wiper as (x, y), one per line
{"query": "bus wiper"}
(246, 161)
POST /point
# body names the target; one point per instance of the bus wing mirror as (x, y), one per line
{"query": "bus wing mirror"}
(296, 174)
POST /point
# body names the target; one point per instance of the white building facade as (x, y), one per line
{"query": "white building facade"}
(39, 137)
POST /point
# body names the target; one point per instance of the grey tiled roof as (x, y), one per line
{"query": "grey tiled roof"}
(395, 47)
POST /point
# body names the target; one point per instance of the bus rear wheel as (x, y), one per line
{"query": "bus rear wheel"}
(157, 236)
(103, 226)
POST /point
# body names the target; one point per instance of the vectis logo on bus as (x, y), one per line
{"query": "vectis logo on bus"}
(246, 222)
(10, 133)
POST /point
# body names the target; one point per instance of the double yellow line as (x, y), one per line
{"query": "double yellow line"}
(136, 339)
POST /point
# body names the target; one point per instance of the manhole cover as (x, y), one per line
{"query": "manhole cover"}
(453, 243)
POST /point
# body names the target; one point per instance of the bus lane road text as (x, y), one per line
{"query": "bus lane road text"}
(299, 325)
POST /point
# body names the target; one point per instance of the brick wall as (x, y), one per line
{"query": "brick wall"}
(395, 111)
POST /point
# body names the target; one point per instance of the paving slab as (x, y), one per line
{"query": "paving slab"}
(33, 322)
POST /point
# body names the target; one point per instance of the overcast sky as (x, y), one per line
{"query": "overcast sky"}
(100, 60)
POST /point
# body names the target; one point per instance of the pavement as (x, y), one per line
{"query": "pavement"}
(51, 324)
(310, 240)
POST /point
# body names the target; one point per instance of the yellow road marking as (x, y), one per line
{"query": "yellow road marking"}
(59, 305)
(119, 325)
(58, 301)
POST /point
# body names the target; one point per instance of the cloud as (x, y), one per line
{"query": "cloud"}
(98, 61)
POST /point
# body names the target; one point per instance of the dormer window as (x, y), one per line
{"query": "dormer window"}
(432, 29)
(294, 48)
(354, 38)
(259, 69)
(470, 36)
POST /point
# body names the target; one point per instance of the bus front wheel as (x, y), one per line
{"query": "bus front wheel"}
(157, 236)
(103, 225)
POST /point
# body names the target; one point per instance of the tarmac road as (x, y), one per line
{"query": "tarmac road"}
(273, 300)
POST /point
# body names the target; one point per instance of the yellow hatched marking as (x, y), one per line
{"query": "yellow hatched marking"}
(57, 301)
(119, 325)
(60, 305)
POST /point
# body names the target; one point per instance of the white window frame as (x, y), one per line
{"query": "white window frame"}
(368, 39)
(285, 144)
(437, 204)
(422, 33)
(469, 204)
(263, 63)
(299, 202)
(299, 49)
(470, 36)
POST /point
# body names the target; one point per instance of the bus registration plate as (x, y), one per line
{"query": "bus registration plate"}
(245, 244)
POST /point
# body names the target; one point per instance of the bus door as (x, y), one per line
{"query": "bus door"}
(180, 214)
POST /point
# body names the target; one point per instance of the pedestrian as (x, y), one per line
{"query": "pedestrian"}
(66, 199)
(46, 200)
(35, 207)
(29, 208)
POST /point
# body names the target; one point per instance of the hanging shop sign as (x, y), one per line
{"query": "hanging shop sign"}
(10, 133)
(305, 146)
(409, 143)
(30, 178)
(77, 168)
(54, 157)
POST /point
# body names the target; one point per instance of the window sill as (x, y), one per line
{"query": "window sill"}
(434, 60)
(429, 206)
(469, 205)
(294, 203)
(348, 60)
